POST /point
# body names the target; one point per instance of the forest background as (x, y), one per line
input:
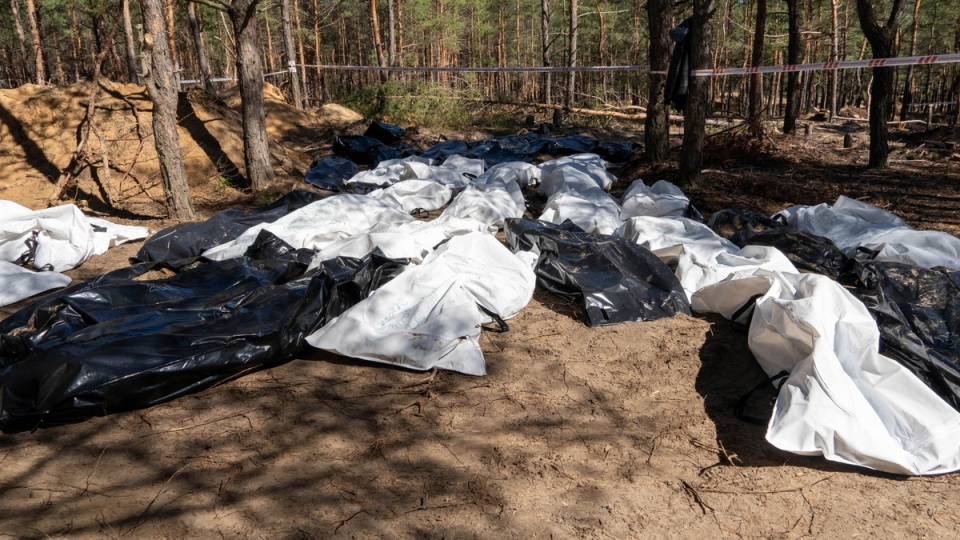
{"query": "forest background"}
(58, 41)
(312, 49)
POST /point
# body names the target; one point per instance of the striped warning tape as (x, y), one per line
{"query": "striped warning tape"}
(529, 69)
(824, 66)
(819, 66)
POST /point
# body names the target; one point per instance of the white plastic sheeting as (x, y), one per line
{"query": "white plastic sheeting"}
(17, 283)
(575, 187)
(668, 237)
(579, 172)
(593, 210)
(428, 316)
(65, 237)
(842, 399)
(524, 174)
(696, 273)
(701, 256)
(60, 238)
(662, 199)
(412, 195)
(413, 240)
(319, 224)
(852, 224)
(489, 204)
(390, 171)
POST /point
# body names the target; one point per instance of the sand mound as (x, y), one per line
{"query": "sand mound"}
(40, 127)
(293, 127)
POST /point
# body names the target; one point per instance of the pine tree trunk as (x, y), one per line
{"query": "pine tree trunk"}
(695, 111)
(131, 55)
(21, 39)
(243, 17)
(318, 54)
(76, 43)
(391, 33)
(290, 53)
(881, 40)
(793, 57)
(170, 17)
(162, 89)
(201, 48)
(572, 52)
(38, 71)
(545, 50)
(755, 105)
(908, 86)
(377, 41)
(656, 128)
(300, 54)
(834, 56)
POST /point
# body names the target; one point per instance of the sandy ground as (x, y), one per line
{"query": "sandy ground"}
(617, 432)
(576, 432)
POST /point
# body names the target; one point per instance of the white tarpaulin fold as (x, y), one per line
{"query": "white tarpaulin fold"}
(390, 171)
(414, 240)
(58, 239)
(489, 204)
(662, 199)
(430, 316)
(842, 399)
(524, 174)
(579, 172)
(851, 224)
(667, 236)
(593, 210)
(411, 195)
(319, 224)
(17, 283)
(64, 237)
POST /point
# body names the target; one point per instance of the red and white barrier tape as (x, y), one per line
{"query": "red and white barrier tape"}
(718, 72)
(531, 69)
(824, 66)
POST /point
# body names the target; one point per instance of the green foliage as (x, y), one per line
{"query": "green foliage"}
(416, 103)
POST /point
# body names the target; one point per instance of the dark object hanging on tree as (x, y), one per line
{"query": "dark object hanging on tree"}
(678, 74)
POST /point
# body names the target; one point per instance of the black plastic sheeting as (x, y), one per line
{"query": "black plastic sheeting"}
(806, 251)
(379, 143)
(618, 281)
(918, 313)
(385, 133)
(331, 173)
(116, 344)
(189, 240)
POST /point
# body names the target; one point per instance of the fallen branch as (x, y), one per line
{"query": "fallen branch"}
(76, 161)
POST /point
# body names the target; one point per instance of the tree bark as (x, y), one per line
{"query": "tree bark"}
(881, 40)
(131, 55)
(908, 85)
(290, 52)
(170, 18)
(572, 51)
(161, 86)
(833, 74)
(21, 38)
(656, 129)
(377, 41)
(792, 111)
(755, 104)
(201, 48)
(38, 71)
(391, 33)
(243, 17)
(695, 111)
